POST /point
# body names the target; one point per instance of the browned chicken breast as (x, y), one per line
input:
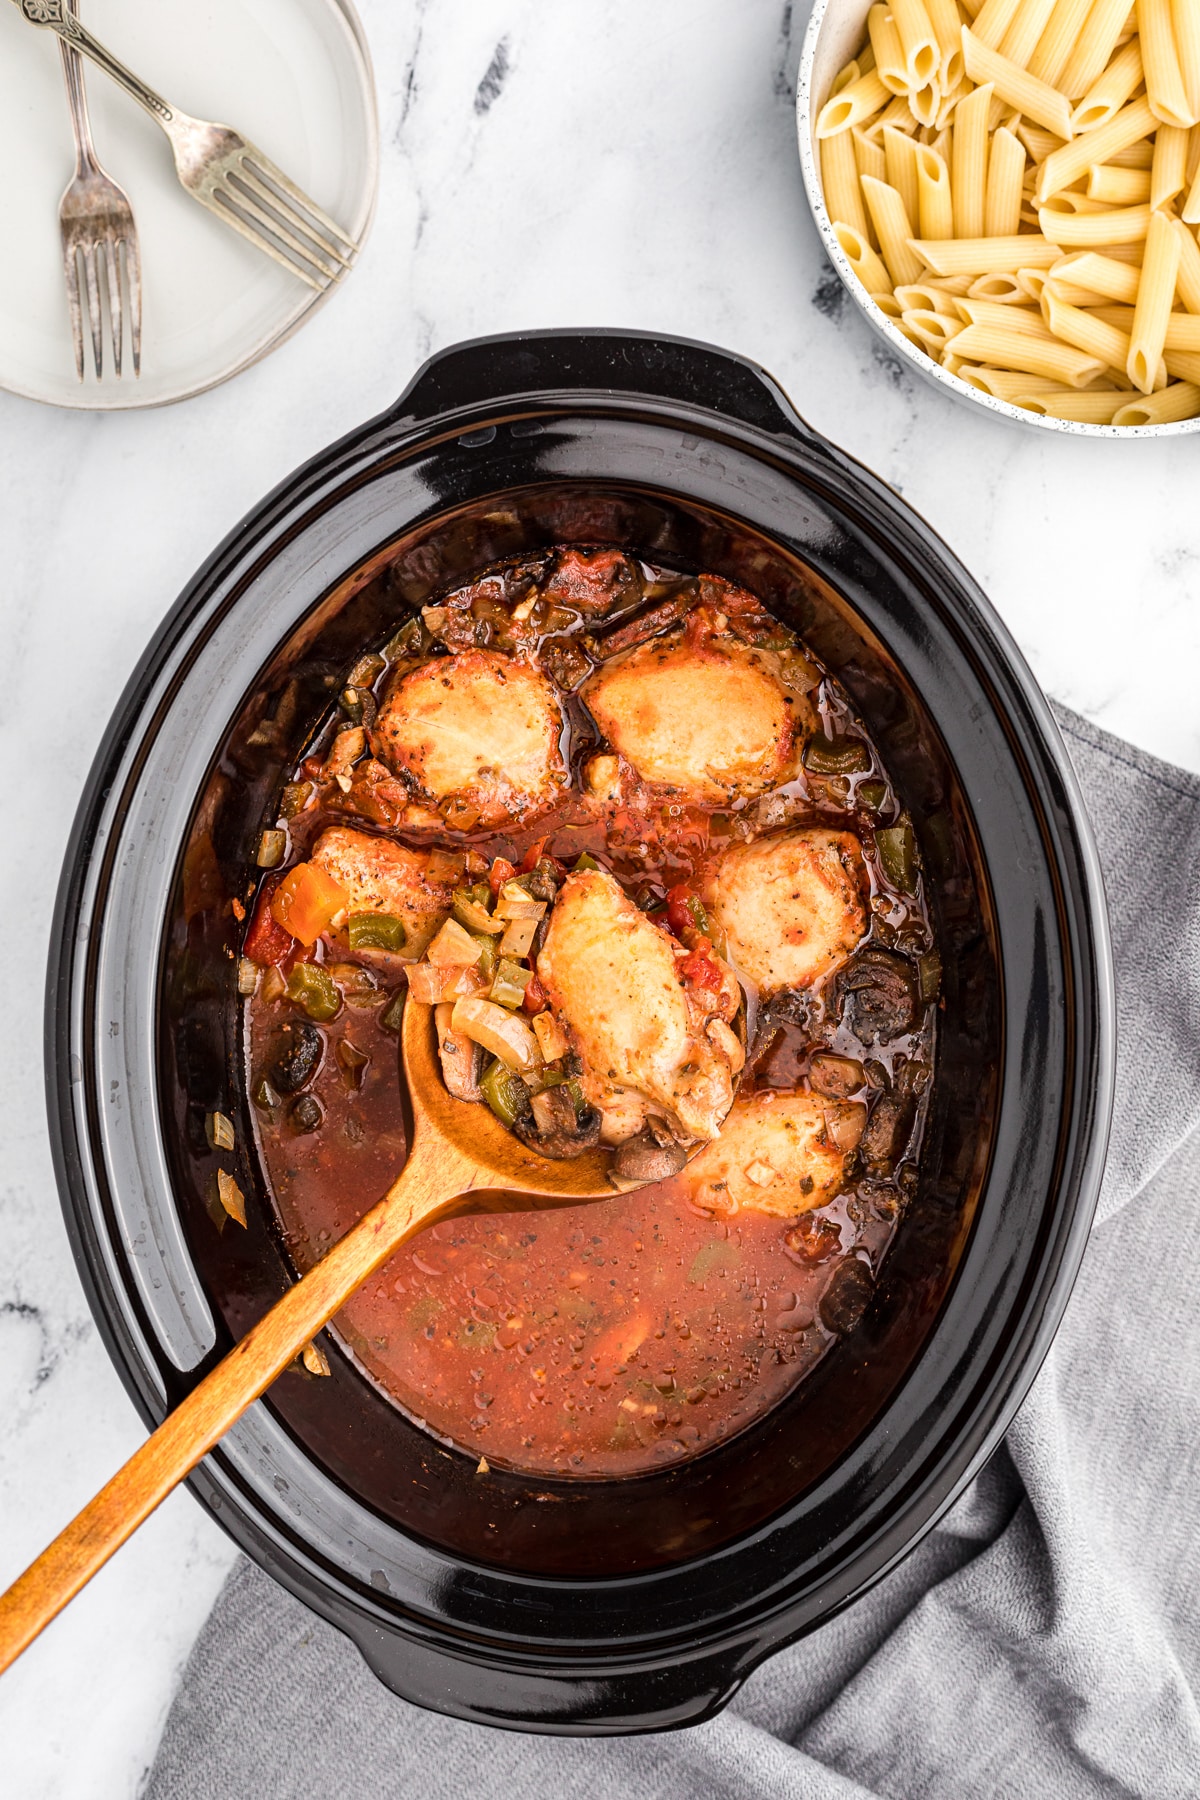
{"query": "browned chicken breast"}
(381, 876)
(792, 907)
(475, 737)
(616, 982)
(778, 1153)
(709, 717)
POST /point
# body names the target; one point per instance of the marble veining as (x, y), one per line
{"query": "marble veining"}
(590, 162)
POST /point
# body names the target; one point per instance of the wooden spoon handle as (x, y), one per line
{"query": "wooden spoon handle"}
(434, 1173)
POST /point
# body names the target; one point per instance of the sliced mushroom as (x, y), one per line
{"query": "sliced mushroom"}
(555, 1129)
(460, 1057)
(296, 1057)
(877, 990)
(645, 1158)
(882, 1143)
(847, 1297)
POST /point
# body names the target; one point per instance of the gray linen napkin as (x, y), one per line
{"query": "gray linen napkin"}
(1042, 1644)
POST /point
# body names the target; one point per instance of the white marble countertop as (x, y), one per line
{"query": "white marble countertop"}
(590, 162)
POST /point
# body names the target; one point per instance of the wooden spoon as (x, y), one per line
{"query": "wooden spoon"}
(461, 1160)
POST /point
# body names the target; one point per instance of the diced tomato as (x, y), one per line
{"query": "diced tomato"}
(685, 911)
(535, 995)
(500, 872)
(307, 901)
(532, 856)
(267, 943)
(699, 969)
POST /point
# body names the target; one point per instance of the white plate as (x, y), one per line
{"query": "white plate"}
(293, 75)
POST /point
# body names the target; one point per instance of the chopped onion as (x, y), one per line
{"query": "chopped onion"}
(431, 983)
(552, 1039)
(501, 1032)
(247, 976)
(219, 1131)
(760, 1173)
(232, 1198)
(272, 847)
(518, 937)
(454, 945)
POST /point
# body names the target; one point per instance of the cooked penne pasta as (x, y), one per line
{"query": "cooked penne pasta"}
(1037, 356)
(949, 104)
(1087, 231)
(858, 253)
(1094, 406)
(1021, 39)
(1185, 16)
(900, 156)
(1034, 154)
(869, 155)
(921, 54)
(1043, 104)
(1004, 290)
(1134, 156)
(1155, 298)
(852, 106)
(992, 20)
(1066, 165)
(1077, 205)
(893, 229)
(898, 113)
(984, 256)
(839, 179)
(1058, 40)
(1094, 47)
(926, 104)
(969, 163)
(1006, 384)
(1179, 401)
(1101, 274)
(1183, 364)
(935, 206)
(1118, 187)
(1094, 336)
(1191, 206)
(946, 20)
(1038, 143)
(889, 52)
(1006, 318)
(1111, 89)
(1002, 196)
(934, 329)
(1188, 280)
(1182, 332)
(1164, 83)
(1169, 168)
(924, 294)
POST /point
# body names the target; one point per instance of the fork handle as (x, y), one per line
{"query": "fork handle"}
(72, 67)
(54, 13)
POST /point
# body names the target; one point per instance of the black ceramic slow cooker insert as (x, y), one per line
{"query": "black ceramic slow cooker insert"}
(582, 1606)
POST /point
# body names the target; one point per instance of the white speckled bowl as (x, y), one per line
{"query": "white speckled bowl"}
(835, 31)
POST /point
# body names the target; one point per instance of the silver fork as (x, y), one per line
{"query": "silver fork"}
(224, 170)
(96, 222)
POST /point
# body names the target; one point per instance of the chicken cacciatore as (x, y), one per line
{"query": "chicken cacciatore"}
(628, 839)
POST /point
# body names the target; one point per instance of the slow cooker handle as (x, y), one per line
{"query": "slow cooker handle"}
(562, 365)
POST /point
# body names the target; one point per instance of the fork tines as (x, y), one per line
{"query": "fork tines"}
(122, 276)
(257, 199)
